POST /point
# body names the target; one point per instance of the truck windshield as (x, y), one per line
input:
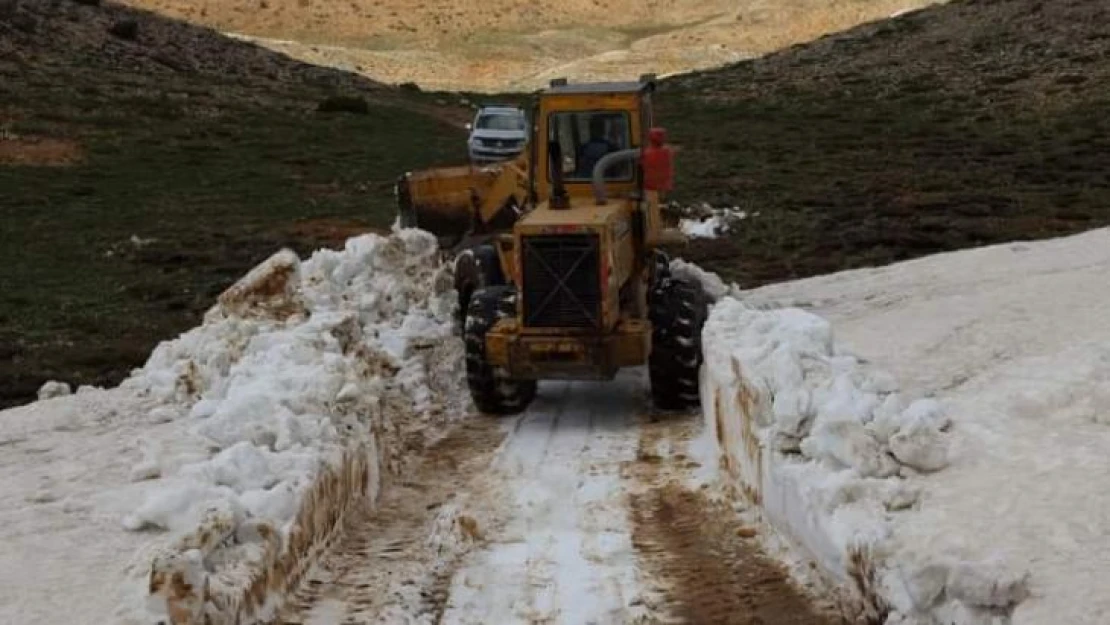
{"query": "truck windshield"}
(500, 121)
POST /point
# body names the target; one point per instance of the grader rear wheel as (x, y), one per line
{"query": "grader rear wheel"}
(491, 389)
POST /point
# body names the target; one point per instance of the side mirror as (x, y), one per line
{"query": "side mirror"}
(469, 126)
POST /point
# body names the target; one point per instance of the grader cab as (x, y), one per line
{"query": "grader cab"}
(576, 287)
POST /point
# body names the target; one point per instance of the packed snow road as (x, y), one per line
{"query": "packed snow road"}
(575, 512)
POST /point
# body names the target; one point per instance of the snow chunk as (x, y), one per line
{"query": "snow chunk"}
(847, 444)
(180, 508)
(707, 229)
(705, 221)
(52, 389)
(920, 446)
(714, 287)
(268, 291)
(990, 584)
(150, 466)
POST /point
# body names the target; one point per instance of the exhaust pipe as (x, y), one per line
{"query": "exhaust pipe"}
(603, 164)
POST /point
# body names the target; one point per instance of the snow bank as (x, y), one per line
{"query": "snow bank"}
(1013, 339)
(833, 451)
(306, 383)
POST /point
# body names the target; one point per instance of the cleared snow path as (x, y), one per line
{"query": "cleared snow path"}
(564, 553)
(534, 529)
(575, 512)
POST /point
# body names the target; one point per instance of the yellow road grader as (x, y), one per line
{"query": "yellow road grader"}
(558, 263)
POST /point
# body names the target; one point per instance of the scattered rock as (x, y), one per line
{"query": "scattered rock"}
(746, 532)
(24, 23)
(469, 528)
(125, 29)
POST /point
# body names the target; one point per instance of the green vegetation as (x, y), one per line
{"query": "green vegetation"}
(209, 176)
(963, 125)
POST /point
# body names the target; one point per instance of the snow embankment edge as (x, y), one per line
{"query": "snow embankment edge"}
(309, 384)
(829, 450)
(177, 577)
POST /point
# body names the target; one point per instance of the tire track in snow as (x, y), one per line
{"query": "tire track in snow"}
(562, 550)
(382, 567)
(709, 565)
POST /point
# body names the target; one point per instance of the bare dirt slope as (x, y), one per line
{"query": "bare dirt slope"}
(511, 44)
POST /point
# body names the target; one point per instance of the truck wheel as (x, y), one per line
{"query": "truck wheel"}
(678, 310)
(475, 268)
(493, 392)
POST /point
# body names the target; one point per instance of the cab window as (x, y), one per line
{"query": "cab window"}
(581, 138)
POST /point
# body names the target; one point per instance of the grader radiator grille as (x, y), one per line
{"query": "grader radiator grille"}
(561, 281)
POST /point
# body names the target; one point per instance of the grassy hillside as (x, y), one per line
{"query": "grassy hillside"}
(977, 122)
(140, 176)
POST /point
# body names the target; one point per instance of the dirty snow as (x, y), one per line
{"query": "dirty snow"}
(707, 222)
(1007, 351)
(236, 415)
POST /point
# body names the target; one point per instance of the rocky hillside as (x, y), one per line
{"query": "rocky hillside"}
(519, 44)
(972, 123)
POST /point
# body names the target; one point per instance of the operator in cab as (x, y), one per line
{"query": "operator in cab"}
(591, 151)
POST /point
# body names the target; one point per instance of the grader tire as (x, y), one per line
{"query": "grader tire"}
(678, 310)
(493, 392)
(475, 268)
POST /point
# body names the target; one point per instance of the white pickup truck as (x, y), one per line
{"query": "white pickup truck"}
(498, 133)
